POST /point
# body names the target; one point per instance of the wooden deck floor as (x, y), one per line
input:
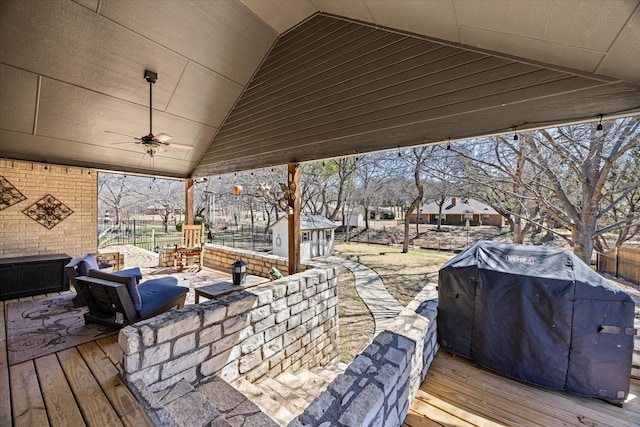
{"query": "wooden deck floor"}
(457, 392)
(79, 386)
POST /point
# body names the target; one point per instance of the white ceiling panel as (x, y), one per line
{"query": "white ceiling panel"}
(66, 41)
(623, 59)
(589, 24)
(76, 114)
(89, 4)
(354, 9)
(58, 151)
(221, 35)
(203, 96)
(428, 17)
(21, 88)
(281, 15)
(534, 49)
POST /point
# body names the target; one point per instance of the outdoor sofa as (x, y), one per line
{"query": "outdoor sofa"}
(119, 300)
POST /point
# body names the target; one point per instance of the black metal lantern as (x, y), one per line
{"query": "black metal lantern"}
(239, 272)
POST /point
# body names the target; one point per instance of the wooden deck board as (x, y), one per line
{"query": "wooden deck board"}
(465, 416)
(71, 387)
(5, 396)
(511, 393)
(125, 405)
(471, 394)
(96, 408)
(26, 400)
(112, 349)
(62, 409)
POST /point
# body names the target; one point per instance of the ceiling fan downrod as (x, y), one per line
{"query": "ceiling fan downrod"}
(150, 77)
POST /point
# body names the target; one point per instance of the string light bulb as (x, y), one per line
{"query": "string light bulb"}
(449, 144)
(599, 128)
(515, 134)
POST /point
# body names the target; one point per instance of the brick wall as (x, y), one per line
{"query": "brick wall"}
(257, 264)
(75, 187)
(286, 324)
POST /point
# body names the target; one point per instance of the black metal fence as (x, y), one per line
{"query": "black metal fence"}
(150, 235)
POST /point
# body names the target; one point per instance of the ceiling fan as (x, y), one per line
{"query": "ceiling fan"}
(151, 143)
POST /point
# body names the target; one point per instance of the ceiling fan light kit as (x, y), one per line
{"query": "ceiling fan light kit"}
(153, 144)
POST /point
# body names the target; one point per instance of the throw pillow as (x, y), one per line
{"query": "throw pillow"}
(87, 264)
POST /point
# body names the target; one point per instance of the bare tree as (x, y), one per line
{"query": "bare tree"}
(371, 174)
(166, 196)
(565, 172)
(341, 173)
(415, 159)
(116, 191)
(313, 188)
(443, 182)
(493, 170)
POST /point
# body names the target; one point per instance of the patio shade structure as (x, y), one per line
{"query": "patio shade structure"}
(251, 84)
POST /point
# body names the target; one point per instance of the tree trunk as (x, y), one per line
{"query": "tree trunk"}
(366, 218)
(439, 228)
(518, 234)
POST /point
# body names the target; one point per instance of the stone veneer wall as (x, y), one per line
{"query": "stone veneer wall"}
(286, 324)
(257, 264)
(379, 385)
(76, 187)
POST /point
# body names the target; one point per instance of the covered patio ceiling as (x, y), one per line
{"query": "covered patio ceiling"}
(256, 83)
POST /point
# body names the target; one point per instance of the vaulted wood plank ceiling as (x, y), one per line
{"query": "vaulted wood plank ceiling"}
(253, 83)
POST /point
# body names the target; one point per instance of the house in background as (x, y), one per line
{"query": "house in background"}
(456, 211)
(316, 234)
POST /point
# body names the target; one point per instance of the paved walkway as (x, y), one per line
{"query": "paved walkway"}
(383, 306)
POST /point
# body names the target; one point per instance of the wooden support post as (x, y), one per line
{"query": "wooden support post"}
(293, 181)
(188, 201)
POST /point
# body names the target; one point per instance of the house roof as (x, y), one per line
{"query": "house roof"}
(252, 83)
(462, 206)
(310, 222)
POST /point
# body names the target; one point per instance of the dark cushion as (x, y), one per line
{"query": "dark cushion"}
(86, 264)
(129, 281)
(131, 272)
(156, 293)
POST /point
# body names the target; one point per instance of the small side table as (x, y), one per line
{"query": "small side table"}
(218, 289)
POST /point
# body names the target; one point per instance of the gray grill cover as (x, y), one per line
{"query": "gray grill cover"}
(538, 314)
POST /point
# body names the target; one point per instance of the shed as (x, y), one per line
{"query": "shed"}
(353, 219)
(538, 314)
(316, 236)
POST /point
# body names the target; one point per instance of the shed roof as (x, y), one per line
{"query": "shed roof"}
(310, 222)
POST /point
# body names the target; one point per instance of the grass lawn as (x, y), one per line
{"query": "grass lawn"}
(404, 275)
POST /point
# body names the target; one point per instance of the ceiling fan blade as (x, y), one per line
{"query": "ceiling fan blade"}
(180, 146)
(123, 134)
(162, 137)
(125, 143)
